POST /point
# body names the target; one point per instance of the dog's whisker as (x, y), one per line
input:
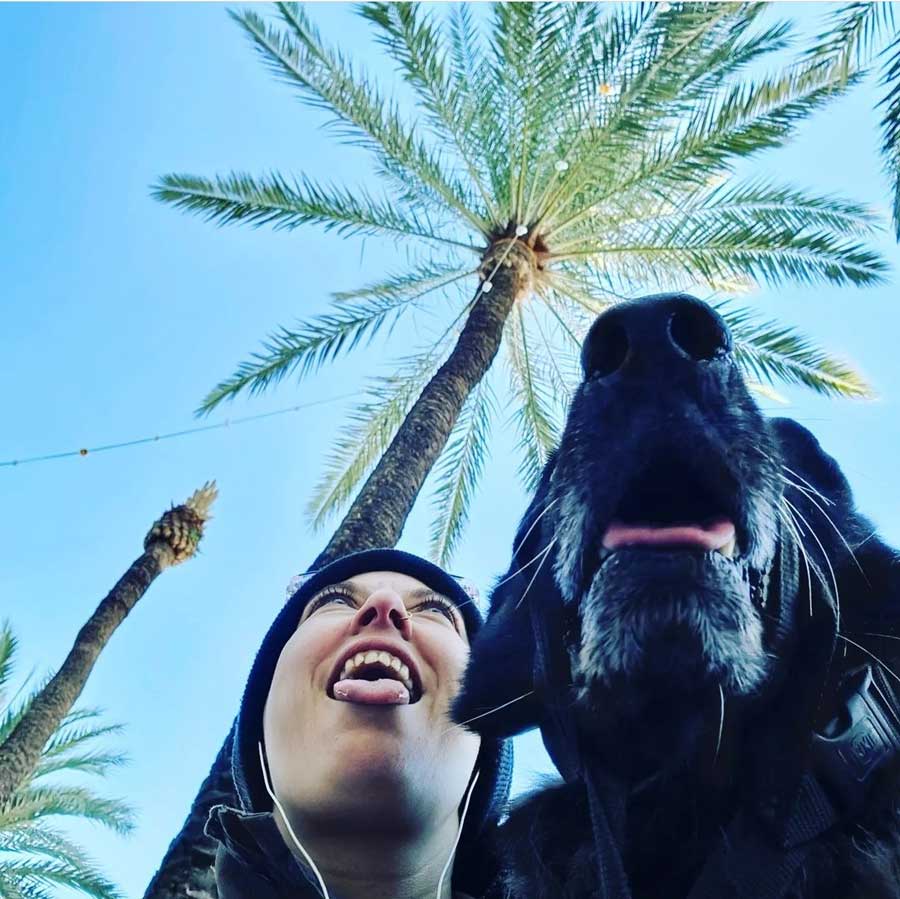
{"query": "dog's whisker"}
(800, 477)
(828, 518)
(534, 523)
(873, 634)
(518, 571)
(791, 525)
(488, 712)
(721, 723)
(837, 592)
(872, 656)
(546, 553)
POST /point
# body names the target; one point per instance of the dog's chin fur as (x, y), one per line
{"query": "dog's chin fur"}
(665, 624)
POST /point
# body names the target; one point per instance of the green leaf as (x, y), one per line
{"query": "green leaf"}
(35, 858)
(323, 339)
(369, 431)
(409, 35)
(458, 471)
(537, 426)
(852, 37)
(8, 648)
(273, 200)
(327, 80)
(770, 352)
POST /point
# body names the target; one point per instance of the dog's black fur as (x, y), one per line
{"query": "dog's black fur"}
(689, 679)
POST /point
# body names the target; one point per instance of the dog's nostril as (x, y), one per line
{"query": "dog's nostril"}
(698, 333)
(607, 350)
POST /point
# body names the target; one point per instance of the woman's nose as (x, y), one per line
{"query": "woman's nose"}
(383, 610)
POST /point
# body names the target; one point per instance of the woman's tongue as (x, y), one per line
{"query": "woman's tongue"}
(383, 691)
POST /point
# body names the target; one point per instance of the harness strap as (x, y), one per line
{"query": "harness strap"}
(748, 860)
(606, 802)
(748, 864)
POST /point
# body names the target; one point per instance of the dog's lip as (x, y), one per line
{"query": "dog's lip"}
(709, 536)
(380, 646)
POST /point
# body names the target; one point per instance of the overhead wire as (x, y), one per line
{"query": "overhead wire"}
(227, 423)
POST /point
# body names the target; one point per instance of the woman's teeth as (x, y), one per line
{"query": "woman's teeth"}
(354, 665)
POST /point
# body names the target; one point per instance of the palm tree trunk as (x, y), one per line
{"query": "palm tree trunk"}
(171, 540)
(378, 513)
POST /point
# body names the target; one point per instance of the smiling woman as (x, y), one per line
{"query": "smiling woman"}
(351, 778)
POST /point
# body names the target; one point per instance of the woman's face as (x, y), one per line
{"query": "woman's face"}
(356, 739)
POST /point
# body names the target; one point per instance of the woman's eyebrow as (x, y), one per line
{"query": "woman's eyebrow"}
(423, 593)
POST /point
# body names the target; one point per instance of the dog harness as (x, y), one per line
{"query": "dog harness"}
(825, 779)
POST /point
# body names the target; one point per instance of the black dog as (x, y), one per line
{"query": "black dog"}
(704, 628)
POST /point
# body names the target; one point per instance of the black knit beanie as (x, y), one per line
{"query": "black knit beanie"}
(494, 760)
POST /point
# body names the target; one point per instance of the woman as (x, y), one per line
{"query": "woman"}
(352, 781)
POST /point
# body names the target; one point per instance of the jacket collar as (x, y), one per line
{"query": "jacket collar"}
(253, 841)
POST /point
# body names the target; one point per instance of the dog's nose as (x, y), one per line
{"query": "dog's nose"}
(641, 336)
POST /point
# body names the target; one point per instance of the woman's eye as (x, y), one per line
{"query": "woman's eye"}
(437, 605)
(332, 598)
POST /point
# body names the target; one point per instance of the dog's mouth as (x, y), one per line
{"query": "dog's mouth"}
(670, 505)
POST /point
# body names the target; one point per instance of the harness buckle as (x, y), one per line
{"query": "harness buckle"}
(859, 741)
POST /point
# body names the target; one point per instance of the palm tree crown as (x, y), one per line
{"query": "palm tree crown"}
(590, 149)
(36, 857)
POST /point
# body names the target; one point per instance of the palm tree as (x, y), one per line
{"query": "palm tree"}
(36, 857)
(558, 159)
(857, 35)
(172, 539)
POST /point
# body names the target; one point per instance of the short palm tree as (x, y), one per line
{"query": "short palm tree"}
(570, 156)
(172, 539)
(558, 158)
(36, 857)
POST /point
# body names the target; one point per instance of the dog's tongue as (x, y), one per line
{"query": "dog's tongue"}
(383, 691)
(710, 536)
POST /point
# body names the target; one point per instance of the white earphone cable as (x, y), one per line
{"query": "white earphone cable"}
(271, 792)
(462, 821)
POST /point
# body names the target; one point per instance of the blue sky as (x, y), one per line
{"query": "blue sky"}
(120, 313)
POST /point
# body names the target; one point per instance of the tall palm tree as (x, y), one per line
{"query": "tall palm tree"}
(36, 857)
(558, 158)
(171, 540)
(572, 155)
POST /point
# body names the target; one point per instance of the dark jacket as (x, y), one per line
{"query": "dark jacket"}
(253, 861)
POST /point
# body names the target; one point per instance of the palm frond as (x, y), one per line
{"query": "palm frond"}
(890, 126)
(369, 430)
(411, 285)
(408, 33)
(273, 200)
(318, 341)
(537, 426)
(852, 37)
(8, 647)
(459, 470)
(666, 49)
(725, 126)
(327, 80)
(35, 858)
(31, 875)
(770, 352)
(703, 251)
(32, 803)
